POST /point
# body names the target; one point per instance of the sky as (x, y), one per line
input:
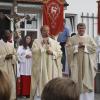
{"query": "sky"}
(86, 6)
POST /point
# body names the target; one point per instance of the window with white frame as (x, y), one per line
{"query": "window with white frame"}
(28, 25)
(70, 22)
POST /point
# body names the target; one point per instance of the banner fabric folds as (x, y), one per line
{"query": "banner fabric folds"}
(53, 15)
(98, 18)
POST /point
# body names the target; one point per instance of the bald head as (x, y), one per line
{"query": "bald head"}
(45, 31)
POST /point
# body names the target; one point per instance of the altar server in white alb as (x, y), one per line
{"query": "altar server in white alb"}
(24, 65)
(83, 62)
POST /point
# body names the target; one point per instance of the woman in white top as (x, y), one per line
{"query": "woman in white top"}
(24, 65)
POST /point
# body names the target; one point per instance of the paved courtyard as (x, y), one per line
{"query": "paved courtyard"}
(97, 97)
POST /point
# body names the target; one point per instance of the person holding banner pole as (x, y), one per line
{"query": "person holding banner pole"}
(62, 38)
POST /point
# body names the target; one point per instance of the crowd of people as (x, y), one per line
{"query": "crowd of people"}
(39, 65)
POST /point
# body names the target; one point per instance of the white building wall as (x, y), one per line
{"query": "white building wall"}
(85, 6)
(79, 6)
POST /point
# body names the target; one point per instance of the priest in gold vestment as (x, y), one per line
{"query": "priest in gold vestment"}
(83, 62)
(46, 60)
(8, 60)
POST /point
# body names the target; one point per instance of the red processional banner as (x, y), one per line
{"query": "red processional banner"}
(98, 17)
(53, 15)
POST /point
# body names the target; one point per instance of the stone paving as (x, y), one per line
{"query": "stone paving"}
(97, 97)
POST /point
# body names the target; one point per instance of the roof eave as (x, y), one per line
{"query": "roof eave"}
(39, 3)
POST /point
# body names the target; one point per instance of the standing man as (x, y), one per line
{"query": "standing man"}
(46, 60)
(8, 60)
(83, 62)
(62, 38)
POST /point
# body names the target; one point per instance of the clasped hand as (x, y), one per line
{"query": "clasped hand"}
(48, 51)
(28, 56)
(9, 56)
(81, 45)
